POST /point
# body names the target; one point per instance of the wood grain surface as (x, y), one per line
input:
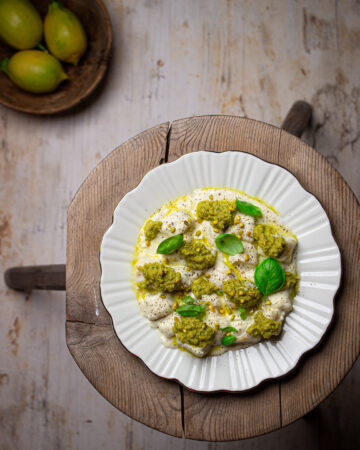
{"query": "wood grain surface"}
(279, 403)
(171, 59)
(91, 338)
(116, 374)
(320, 373)
(36, 277)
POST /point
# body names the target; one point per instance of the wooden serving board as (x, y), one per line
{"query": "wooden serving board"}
(122, 378)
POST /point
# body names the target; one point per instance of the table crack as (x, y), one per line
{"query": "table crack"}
(88, 323)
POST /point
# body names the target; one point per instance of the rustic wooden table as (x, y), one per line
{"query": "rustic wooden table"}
(123, 379)
(171, 59)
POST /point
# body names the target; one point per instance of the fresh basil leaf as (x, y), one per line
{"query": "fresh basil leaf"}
(190, 310)
(248, 209)
(170, 244)
(269, 276)
(228, 329)
(242, 312)
(188, 299)
(228, 340)
(229, 244)
(220, 292)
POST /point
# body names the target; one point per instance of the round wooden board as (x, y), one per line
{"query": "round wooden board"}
(122, 378)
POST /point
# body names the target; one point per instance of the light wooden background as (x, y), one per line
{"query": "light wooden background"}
(171, 59)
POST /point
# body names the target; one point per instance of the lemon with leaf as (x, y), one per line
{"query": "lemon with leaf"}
(34, 71)
(20, 24)
(64, 33)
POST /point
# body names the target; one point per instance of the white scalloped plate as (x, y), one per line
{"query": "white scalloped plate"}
(319, 267)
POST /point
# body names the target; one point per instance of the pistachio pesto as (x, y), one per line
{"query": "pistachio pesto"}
(202, 286)
(264, 327)
(267, 237)
(152, 229)
(291, 281)
(192, 331)
(220, 213)
(193, 293)
(159, 277)
(242, 293)
(197, 255)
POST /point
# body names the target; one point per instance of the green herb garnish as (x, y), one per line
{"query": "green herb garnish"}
(170, 244)
(190, 310)
(188, 299)
(242, 312)
(228, 340)
(220, 292)
(248, 209)
(229, 244)
(269, 276)
(228, 329)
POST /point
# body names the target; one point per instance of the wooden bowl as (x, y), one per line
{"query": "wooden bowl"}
(83, 79)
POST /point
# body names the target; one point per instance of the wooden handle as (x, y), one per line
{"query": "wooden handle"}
(297, 119)
(36, 277)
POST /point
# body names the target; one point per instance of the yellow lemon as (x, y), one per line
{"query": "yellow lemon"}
(64, 34)
(34, 71)
(20, 24)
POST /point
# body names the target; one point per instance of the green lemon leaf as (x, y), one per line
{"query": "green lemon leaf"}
(229, 244)
(269, 276)
(170, 244)
(4, 65)
(242, 312)
(188, 299)
(228, 340)
(248, 208)
(228, 329)
(190, 310)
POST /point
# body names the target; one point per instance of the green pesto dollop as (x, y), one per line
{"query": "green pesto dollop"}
(152, 229)
(266, 237)
(196, 332)
(202, 286)
(220, 213)
(242, 293)
(160, 278)
(263, 326)
(197, 256)
(291, 281)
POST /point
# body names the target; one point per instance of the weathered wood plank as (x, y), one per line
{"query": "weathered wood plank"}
(300, 392)
(320, 373)
(90, 215)
(224, 417)
(123, 379)
(92, 341)
(223, 133)
(36, 277)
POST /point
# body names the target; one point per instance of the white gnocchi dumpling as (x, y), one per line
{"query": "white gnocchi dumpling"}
(197, 351)
(248, 256)
(243, 224)
(288, 253)
(280, 301)
(176, 222)
(187, 276)
(154, 307)
(166, 324)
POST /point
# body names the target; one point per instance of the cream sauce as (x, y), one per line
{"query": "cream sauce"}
(179, 216)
